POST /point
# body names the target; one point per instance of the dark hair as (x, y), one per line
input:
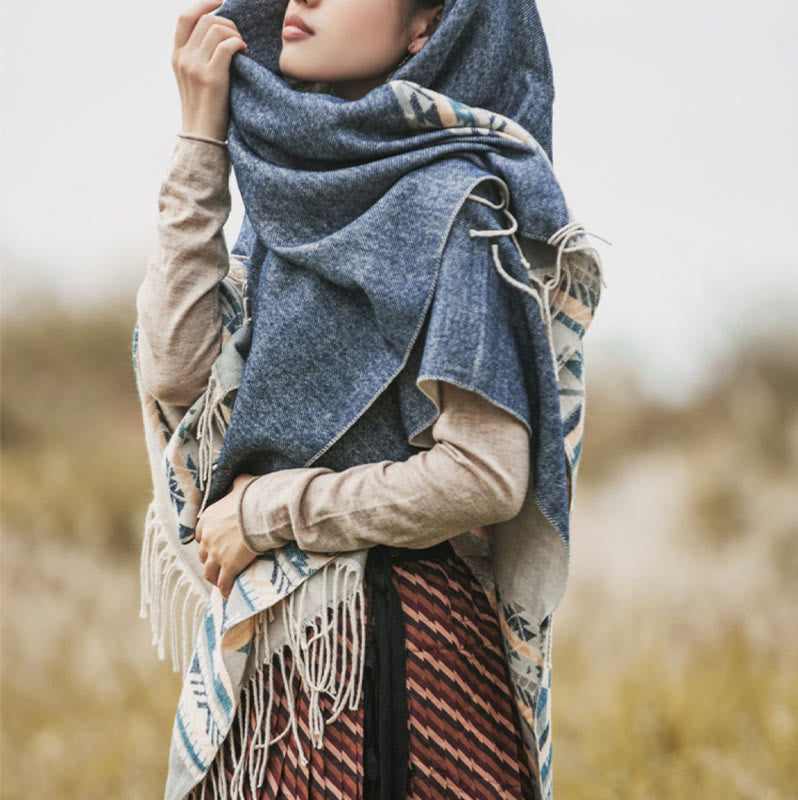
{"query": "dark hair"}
(417, 5)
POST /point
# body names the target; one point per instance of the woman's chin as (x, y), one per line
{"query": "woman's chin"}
(292, 68)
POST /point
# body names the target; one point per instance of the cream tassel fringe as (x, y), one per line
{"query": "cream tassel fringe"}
(563, 267)
(315, 658)
(211, 422)
(209, 418)
(162, 580)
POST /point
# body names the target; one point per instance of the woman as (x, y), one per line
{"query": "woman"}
(441, 719)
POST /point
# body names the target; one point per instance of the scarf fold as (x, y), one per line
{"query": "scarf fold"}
(387, 243)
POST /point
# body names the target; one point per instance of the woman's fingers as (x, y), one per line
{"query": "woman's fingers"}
(223, 577)
(188, 20)
(217, 51)
(212, 570)
(196, 60)
(205, 25)
(225, 581)
(202, 68)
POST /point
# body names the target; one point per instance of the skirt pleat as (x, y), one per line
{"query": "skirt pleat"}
(464, 740)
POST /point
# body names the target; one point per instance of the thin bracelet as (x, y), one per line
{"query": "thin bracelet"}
(241, 528)
(202, 138)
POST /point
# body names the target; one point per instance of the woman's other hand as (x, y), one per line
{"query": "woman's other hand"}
(221, 547)
(204, 47)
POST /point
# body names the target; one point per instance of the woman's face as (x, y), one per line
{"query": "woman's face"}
(355, 44)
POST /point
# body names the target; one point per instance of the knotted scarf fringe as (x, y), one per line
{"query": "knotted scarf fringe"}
(162, 573)
(162, 580)
(211, 419)
(563, 268)
(315, 658)
(239, 273)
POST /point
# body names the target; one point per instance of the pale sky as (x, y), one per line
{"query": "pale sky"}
(674, 138)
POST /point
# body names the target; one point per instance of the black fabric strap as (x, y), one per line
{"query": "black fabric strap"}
(386, 758)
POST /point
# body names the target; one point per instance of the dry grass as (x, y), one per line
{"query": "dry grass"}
(676, 660)
(87, 706)
(721, 724)
(76, 464)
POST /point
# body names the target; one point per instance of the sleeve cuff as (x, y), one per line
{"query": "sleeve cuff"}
(248, 541)
(277, 510)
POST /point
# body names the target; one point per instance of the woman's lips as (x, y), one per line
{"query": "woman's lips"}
(294, 32)
(294, 27)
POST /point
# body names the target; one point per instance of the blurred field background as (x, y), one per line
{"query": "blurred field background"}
(675, 647)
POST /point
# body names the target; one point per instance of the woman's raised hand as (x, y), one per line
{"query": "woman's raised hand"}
(204, 47)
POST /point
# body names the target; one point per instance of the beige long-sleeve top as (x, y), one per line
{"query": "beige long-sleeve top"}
(475, 473)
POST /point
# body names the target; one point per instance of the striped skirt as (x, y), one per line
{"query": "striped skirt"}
(463, 738)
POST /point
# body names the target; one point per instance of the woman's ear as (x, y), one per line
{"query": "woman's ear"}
(423, 25)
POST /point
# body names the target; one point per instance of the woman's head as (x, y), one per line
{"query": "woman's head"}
(355, 44)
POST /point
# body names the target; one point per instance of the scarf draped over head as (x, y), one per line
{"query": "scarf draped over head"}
(364, 275)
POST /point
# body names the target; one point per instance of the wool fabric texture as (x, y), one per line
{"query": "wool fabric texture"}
(415, 234)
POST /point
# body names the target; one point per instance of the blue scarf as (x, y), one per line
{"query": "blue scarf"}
(382, 242)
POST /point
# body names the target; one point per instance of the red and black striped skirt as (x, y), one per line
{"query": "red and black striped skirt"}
(462, 739)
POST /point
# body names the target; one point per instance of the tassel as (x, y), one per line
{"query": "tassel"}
(239, 274)
(211, 420)
(559, 239)
(160, 567)
(314, 658)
